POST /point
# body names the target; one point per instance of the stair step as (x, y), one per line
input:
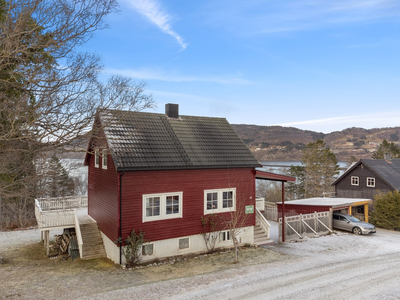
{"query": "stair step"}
(94, 256)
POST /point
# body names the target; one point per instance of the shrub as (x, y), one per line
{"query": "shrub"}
(386, 210)
(132, 250)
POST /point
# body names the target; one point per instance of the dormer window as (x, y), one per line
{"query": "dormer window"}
(96, 158)
(104, 159)
(370, 182)
(355, 180)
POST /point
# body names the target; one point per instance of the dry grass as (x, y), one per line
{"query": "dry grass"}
(27, 271)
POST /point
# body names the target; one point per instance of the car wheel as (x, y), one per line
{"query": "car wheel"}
(357, 230)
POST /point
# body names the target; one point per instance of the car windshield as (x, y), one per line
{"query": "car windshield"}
(351, 218)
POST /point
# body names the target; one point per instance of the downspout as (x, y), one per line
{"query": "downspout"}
(120, 215)
(283, 211)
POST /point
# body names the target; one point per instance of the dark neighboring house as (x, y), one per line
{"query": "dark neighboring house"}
(159, 173)
(368, 176)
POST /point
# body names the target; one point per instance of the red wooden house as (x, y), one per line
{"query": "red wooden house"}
(160, 173)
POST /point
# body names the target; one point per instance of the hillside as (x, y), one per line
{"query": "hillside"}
(271, 143)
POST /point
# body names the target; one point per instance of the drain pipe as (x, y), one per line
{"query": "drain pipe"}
(120, 216)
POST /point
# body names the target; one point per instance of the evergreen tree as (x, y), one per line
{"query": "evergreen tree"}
(386, 147)
(59, 183)
(295, 190)
(386, 210)
(320, 169)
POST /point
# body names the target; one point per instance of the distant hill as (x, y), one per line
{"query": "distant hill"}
(271, 143)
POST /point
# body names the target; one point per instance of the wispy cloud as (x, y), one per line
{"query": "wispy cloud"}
(162, 76)
(153, 11)
(271, 17)
(389, 119)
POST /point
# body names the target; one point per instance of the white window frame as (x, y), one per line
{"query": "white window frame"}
(96, 158)
(147, 244)
(356, 178)
(184, 249)
(104, 160)
(219, 208)
(163, 206)
(372, 179)
(226, 234)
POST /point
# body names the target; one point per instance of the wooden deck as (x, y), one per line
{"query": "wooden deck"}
(85, 219)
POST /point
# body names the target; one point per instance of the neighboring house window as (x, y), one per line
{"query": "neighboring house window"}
(183, 243)
(96, 158)
(147, 249)
(216, 201)
(162, 206)
(104, 159)
(370, 181)
(225, 236)
(355, 180)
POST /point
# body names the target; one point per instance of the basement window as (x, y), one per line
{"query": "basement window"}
(96, 158)
(104, 159)
(355, 180)
(225, 236)
(370, 182)
(183, 243)
(147, 249)
(162, 206)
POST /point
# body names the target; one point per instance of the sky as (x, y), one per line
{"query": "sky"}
(316, 65)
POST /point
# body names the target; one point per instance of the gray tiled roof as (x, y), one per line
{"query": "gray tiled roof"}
(149, 141)
(388, 170)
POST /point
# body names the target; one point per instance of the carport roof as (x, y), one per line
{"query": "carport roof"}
(332, 202)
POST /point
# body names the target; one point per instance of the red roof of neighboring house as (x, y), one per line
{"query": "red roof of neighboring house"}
(272, 176)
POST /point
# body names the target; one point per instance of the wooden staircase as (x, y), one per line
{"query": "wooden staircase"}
(92, 246)
(260, 237)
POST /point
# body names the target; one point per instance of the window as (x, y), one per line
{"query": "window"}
(183, 243)
(216, 201)
(370, 181)
(225, 236)
(162, 206)
(355, 180)
(104, 159)
(147, 249)
(96, 158)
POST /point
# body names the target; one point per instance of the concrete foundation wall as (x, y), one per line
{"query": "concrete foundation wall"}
(170, 247)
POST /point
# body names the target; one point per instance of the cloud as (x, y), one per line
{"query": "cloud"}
(161, 76)
(384, 119)
(278, 17)
(153, 11)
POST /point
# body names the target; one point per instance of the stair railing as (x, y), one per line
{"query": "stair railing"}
(78, 233)
(263, 222)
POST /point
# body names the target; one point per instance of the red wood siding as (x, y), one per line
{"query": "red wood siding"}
(294, 210)
(103, 197)
(192, 183)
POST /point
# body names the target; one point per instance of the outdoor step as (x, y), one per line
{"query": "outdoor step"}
(94, 253)
(94, 256)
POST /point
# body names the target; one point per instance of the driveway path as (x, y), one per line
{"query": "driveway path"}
(342, 266)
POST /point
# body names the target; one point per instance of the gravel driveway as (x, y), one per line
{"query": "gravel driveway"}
(342, 266)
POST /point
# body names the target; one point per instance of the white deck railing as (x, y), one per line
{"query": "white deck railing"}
(58, 212)
(262, 221)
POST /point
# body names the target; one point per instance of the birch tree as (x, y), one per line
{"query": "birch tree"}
(49, 90)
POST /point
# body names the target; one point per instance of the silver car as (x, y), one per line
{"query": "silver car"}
(350, 223)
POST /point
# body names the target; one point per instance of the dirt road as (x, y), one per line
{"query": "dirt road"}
(331, 267)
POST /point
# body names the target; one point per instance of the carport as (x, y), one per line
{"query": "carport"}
(311, 205)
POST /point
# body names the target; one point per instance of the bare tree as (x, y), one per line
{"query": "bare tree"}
(235, 223)
(49, 91)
